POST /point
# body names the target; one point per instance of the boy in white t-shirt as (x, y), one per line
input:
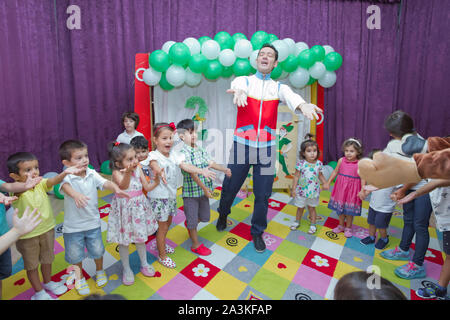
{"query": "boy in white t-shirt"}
(81, 228)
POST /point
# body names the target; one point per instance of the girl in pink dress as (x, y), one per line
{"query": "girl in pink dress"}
(348, 193)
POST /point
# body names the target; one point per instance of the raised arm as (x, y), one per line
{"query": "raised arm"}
(220, 167)
(59, 178)
(295, 101)
(189, 168)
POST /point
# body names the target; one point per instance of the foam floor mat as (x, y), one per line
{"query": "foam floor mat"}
(295, 265)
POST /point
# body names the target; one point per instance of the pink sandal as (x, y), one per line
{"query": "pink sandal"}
(168, 263)
(148, 271)
(348, 233)
(202, 250)
(338, 229)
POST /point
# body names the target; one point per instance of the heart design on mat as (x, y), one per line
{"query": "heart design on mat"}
(113, 277)
(281, 266)
(242, 269)
(19, 282)
(157, 274)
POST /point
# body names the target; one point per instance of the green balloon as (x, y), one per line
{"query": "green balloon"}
(225, 40)
(203, 39)
(197, 63)
(276, 72)
(213, 70)
(318, 52)
(164, 84)
(311, 81)
(105, 168)
(332, 164)
(332, 61)
(238, 36)
(91, 166)
(241, 67)
(159, 60)
(179, 53)
(258, 39)
(56, 191)
(227, 72)
(290, 63)
(305, 59)
(272, 38)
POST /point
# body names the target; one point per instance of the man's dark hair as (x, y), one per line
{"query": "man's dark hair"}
(68, 146)
(268, 45)
(16, 158)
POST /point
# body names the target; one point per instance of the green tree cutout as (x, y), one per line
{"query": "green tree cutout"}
(199, 117)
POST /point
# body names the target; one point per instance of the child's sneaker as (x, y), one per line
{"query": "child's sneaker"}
(294, 225)
(312, 229)
(82, 287)
(42, 295)
(56, 288)
(381, 244)
(367, 240)
(432, 292)
(411, 271)
(100, 279)
(395, 254)
(338, 229)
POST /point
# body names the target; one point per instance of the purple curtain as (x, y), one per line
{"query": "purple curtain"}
(57, 83)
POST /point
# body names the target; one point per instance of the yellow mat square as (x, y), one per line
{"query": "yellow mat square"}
(277, 229)
(225, 287)
(282, 266)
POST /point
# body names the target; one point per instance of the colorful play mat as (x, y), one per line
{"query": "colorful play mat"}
(295, 265)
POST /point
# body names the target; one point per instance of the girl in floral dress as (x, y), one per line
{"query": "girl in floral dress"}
(130, 220)
(306, 184)
(347, 195)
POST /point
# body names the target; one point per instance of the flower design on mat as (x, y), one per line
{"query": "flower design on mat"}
(274, 204)
(268, 240)
(320, 262)
(105, 210)
(430, 254)
(201, 271)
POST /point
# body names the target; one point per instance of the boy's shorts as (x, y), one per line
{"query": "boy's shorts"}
(5, 264)
(446, 242)
(302, 202)
(37, 250)
(196, 209)
(379, 219)
(76, 242)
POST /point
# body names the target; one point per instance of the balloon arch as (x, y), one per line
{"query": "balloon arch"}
(186, 63)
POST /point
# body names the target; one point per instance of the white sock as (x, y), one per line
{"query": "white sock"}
(142, 252)
(124, 258)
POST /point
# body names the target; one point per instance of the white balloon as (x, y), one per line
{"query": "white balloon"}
(284, 74)
(328, 79)
(317, 70)
(328, 49)
(193, 79)
(253, 57)
(326, 171)
(282, 48)
(166, 46)
(176, 75)
(299, 77)
(193, 45)
(151, 77)
(299, 47)
(227, 57)
(291, 45)
(243, 48)
(210, 49)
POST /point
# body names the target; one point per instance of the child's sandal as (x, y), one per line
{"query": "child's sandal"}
(312, 230)
(168, 263)
(294, 225)
(169, 249)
